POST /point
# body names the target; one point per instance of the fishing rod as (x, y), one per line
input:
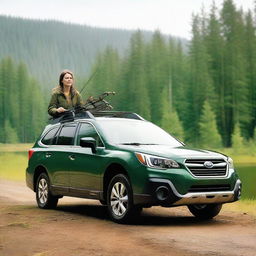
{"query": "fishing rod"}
(90, 78)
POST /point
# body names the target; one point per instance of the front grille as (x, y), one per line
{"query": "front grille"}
(198, 168)
(209, 188)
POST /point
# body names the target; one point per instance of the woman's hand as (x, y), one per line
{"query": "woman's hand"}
(61, 110)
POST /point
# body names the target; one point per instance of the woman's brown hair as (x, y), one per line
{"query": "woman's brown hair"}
(62, 74)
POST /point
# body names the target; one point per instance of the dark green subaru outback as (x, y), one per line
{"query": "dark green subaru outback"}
(127, 163)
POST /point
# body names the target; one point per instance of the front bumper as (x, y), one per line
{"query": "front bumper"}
(166, 194)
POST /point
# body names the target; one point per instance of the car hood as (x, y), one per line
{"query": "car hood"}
(168, 151)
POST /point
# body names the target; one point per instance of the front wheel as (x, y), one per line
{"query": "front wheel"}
(44, 198)
(205, 211)
(120, 200)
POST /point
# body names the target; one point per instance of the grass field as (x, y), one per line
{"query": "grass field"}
(245, 206)
(13, 166)
(13, 159)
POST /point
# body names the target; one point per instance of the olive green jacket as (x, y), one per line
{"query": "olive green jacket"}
(58, 99)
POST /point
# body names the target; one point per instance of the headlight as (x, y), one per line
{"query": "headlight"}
(156, 161)
(230, 163)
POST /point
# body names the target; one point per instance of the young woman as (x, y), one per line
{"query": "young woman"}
(64, 96)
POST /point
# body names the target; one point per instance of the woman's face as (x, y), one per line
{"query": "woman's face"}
(67, 80)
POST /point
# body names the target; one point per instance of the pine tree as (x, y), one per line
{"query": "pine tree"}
(157, 70)
(22, 104)
(135, 90)
(8, 95)
(170, 121)
(107, 76)
(250, 55)
(200, 87)
(237, 139)
(179, 77)
(236, 87)
(37, 111)
(254, 134)
(9, 133)
(215, 48)
(209, 135)
(23, 90)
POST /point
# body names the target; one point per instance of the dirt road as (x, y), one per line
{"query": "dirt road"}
(81, 227)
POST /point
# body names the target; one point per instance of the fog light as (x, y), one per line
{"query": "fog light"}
(162, 193)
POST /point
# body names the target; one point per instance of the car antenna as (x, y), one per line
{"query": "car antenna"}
(90, 78)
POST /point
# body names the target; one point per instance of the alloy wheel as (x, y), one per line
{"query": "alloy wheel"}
(119, 199)
(42, 191)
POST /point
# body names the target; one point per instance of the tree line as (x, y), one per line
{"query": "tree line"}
(204, 94)
(22, 105)
(47, 47)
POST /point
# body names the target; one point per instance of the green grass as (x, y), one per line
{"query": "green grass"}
(246, 206)
(13, 166)
(248, 158)
(244, 159)
(247, 174)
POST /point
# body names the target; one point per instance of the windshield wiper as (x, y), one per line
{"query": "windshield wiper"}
(137, 144)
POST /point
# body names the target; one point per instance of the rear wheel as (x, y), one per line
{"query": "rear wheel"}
(120, 200)
(205, 211)
(44, 198)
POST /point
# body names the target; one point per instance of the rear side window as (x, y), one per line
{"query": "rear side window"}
(87, 130)
(47, 139)
(66, 135)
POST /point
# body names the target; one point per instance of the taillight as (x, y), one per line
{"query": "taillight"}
(30, 153)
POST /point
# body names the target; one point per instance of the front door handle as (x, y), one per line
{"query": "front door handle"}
(47, 155)
(71, 157)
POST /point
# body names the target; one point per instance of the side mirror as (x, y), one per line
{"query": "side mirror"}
(88, 142)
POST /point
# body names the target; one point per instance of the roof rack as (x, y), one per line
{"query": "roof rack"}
(118, 114)
(70, 116)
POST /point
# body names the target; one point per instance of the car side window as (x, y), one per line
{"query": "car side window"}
(47, 139)
(66, 135)
(87, 130)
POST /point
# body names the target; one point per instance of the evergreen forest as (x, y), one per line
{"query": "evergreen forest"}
(204, 94)
(47, 47)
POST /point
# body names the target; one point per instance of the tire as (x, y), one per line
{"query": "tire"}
(205, 211)
(120, 200)
(44, 198)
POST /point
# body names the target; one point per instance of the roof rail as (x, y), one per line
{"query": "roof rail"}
(118, 114)
(70, 116)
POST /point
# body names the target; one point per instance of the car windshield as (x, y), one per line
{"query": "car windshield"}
(132, 132)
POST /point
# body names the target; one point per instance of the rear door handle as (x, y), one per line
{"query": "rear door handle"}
(71, 157)
(47, 155)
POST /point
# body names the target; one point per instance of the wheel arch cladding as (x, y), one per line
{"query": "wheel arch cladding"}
(38, 170)
(111, 171)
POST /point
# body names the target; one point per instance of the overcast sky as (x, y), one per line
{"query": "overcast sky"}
(170, 16)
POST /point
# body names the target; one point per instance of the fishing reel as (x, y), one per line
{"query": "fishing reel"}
(99, 103)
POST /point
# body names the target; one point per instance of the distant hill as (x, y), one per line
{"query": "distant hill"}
(47, 47)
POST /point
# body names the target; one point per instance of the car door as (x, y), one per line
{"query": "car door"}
(49, 157)
(59, 155)
(87, 166)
